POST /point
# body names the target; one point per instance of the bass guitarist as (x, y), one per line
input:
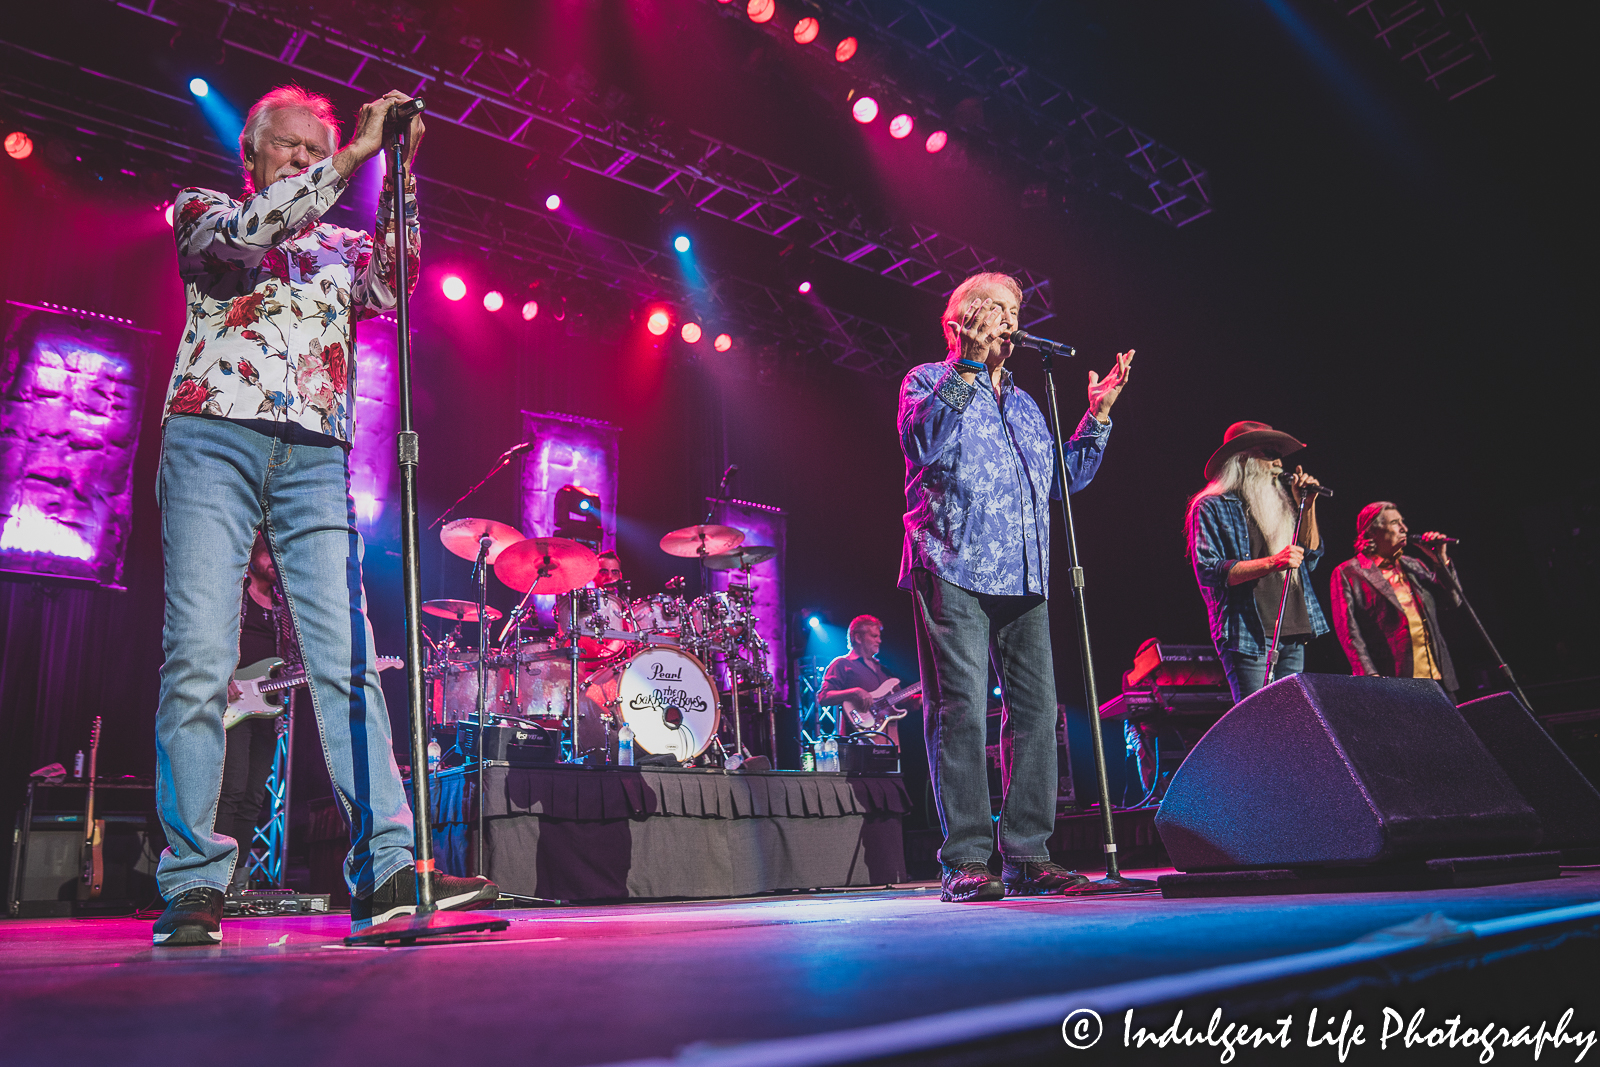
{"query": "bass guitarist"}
(854, 680)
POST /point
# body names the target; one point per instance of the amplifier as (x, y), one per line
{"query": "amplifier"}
(49, 834)
(868, 758)
(518, 746)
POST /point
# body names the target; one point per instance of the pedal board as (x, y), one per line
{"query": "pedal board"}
(262, 902)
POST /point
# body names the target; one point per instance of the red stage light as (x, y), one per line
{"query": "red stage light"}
(806, 30)
(760, 10)
(805, 287)
(846, 49)
(937, 140)
(530, 311)
(865, 109)
(659, 322)
(722, 343)
(20, 146)
(453, 287)
(493, 301)
(691, 332)
(900, 126)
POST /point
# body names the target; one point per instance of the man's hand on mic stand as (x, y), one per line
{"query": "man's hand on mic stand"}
(1103, 392)
(368, 139)
(1432, 544)
(1310, 535)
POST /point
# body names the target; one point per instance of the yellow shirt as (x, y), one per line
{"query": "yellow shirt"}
(1422, 665)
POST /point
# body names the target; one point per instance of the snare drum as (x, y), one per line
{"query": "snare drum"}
(598, 610)
(662, 613)
(663, 693)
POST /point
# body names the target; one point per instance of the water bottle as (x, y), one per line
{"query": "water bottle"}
(435, 754)
(625, 746)
(77, 764)
(830, 754)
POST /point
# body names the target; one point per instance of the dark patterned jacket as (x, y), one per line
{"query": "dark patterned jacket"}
(1372, 626)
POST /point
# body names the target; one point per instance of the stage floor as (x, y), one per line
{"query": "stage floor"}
(595, 985)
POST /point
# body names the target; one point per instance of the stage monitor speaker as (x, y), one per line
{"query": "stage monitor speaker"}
(1320, 769)
(1566, 802)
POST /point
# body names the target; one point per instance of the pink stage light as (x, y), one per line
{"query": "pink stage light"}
(900, 127)
(659, 322)
(691, 332)
(846, 49)
(166, 212)
(453, 287)
(19, 145)
(761, 10)
(493, 301)
(804, 287)
(936, 141)
(552, 202)
(530, 311)
(865, 109)
(722, 343)
(806, 30)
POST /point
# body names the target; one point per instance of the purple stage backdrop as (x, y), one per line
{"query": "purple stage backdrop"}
(71, 403)
(374, 471)
(567, 450)
(762, 525)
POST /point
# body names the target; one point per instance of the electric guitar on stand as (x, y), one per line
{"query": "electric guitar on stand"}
(881, 713)
(94, 830)
(259, 688)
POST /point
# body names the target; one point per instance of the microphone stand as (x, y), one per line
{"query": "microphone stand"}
(499, 463)
(1449, 571)
(1114, 878)
(1288, 576)
(428, 921)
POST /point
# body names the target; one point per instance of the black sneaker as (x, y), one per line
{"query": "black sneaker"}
(398, 896)
(1038, 879)
(194, 917)
(970, 881)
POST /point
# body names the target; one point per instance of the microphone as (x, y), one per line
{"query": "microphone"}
(1435, 539)
(673, 717)
(1315, 490)
(402, 113)
(1027, 340)
(515, 450)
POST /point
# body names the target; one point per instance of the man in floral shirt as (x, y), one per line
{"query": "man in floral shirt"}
(255, 437)
(980, 474)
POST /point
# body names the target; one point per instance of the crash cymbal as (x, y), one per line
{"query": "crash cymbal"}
(546, 565)
(702, 541)
(459, 610)
(461, 537)
(741, 557)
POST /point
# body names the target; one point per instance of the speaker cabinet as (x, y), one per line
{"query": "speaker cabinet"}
(1323, 770)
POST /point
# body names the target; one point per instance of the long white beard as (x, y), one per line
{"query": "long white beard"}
(1269, 504)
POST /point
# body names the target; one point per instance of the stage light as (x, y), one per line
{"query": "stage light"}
(453, 287)
(900, 127)
(552, 202)
(760, 10)
(691, 332)
(815, 622)
(198, 87)
(936, 141)
(659, 322)
(722, 343)
(865, 109)
(681, 242)
(493, 301)
(997, 690)
(585, 504)
(846, 49)
(166, 213)
(19, 145)
(806, 30)
(530, 311)
(804, 287)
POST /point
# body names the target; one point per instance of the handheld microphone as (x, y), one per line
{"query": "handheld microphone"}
(404, 112)
(1315, 490)
(1021, 339)
(1435, 539)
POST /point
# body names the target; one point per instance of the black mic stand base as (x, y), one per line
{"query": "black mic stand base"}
(408, 929)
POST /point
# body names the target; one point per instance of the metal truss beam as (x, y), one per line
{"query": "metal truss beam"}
(1436, 37)
(496, 93)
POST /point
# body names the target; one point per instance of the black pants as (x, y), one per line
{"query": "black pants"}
(251, 745)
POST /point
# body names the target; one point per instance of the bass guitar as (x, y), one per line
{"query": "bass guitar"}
(259, 689)
(882, 711)
(92, 867)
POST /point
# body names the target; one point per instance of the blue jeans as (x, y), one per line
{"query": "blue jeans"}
(217, 483)
(1246, 674)
(957, 633)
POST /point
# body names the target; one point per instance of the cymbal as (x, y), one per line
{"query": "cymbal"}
(565, 565)
(741, 557)
(702, 540)
(459, 610)
(461, 537)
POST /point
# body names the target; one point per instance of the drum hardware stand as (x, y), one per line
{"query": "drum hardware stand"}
(1114, 878)
(480, 575)
(271, 860)
(501, 462)
(1283, 601)
(428, 921)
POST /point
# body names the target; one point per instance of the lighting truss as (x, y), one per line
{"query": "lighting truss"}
(496, 93)
(1148, 176)
(1438, 38)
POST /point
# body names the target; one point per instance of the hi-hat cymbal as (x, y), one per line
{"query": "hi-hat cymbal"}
(459, 610)
(461, 537)
(702, 541)
(740, 558)
(547, 565)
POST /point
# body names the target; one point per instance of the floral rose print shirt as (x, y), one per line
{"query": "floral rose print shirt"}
(270, 291)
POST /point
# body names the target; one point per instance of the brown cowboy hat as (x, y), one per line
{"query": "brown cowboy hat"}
(1244, 436)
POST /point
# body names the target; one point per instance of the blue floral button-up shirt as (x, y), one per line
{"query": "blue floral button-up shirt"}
(979, 479)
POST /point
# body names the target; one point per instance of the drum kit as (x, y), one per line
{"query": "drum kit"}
(660, 664)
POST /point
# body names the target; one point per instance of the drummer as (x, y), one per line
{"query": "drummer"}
(610, 572)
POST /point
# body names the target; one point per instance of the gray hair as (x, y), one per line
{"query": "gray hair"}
(955, 306)
(283, 98)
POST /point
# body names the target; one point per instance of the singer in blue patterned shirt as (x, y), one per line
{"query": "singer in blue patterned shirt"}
(979, 480)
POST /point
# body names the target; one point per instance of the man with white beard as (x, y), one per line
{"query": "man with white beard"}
(1240, 527)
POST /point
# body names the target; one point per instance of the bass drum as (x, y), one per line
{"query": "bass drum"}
(664, 693)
